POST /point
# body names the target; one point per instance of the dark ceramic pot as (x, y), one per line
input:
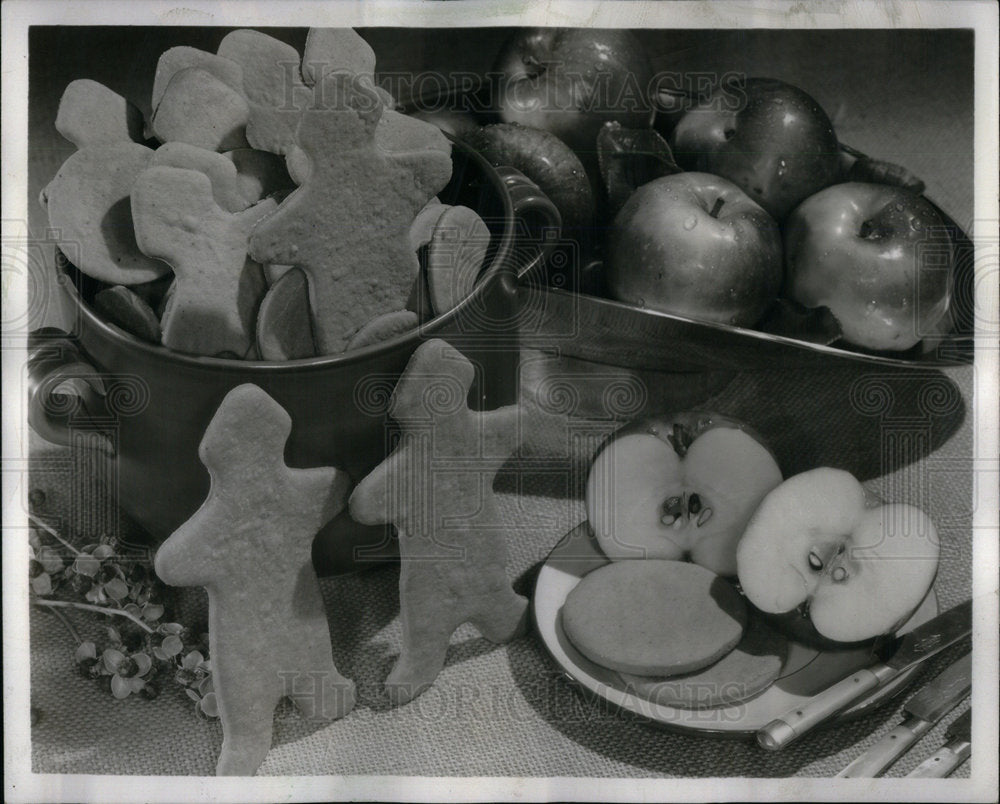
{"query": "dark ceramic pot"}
(153, 404)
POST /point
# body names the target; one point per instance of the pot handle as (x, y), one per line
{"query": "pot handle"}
(65, 392)
(536, 217)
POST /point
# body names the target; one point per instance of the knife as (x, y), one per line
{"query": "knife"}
(951, 754)
(923, 710)
(911, 648)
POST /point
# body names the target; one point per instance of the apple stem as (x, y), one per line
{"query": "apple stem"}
(680, 439)
(717, 207)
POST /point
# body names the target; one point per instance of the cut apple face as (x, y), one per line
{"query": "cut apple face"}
(680, 489)
(858, 571)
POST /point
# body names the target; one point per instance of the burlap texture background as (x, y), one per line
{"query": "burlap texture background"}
(504, 711)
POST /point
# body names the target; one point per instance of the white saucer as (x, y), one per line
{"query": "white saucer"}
(806, 670)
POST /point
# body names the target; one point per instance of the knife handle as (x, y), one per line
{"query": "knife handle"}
(796, 722)
(943, 761)
(887, 750)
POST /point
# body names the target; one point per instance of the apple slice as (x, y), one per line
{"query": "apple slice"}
(653, 618)
(860, 570)
(679, 488)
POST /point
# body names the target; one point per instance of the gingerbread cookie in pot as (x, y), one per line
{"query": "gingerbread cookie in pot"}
(348, 226)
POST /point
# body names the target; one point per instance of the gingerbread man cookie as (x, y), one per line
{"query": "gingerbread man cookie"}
(200, 109)
(436, 488)
(91, 114)
(221, 171)
(88, 207)
(250, 546)
(455, 256)
(348, 226)
(175, 59)
(217, 289)
(272, 86)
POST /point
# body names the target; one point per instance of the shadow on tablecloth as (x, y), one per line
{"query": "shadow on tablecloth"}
(869, 420)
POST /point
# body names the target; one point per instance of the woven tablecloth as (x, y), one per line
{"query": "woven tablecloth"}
(505, 710)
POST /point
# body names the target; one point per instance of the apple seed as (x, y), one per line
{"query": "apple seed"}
(703, 517)
(815, 562)
(672, 511)
(694, 504)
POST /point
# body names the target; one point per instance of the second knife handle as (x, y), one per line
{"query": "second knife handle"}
(793, 724)
(942, 762)
(886, 751)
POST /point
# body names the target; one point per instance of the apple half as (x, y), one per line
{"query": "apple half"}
(816, 544)
(680, 488)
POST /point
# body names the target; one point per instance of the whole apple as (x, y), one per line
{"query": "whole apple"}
(570, 81)
(767, 136)
(877, 256)
(679, 487)
(548, 162)
(695, 245)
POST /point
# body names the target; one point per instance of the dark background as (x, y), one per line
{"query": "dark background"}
(905, 96)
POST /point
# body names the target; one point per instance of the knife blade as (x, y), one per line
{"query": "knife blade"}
(923, 710)
(915, 646)
(952, 754)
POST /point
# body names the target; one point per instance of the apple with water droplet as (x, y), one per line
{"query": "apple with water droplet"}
(818, 546)
(769, 137)
(695, 245)
(570, 81)
(679, 487)
(878, 256)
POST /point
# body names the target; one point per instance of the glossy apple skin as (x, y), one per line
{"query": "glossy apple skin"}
(767, 136)
(547, 161)
(570, 81)
(667, 252)
(877, 256)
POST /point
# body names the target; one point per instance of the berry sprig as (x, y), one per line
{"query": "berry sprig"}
(146, 647)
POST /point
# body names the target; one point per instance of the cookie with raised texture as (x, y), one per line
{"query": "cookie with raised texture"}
(272, 85)
(436, 487)
(250, 546)
(348, 225)
(217, 289)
